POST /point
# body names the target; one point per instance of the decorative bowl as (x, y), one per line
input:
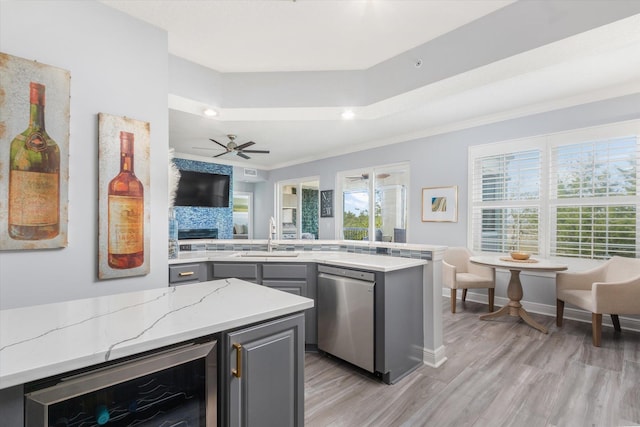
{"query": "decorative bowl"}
(520, 256)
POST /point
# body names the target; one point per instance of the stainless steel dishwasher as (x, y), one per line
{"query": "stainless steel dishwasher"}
(346, 315)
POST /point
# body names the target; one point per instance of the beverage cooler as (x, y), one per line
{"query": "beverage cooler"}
(177, 387)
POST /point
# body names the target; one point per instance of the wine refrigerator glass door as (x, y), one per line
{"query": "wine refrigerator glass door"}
(172, 388)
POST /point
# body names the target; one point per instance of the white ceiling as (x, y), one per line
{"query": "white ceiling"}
(303, 35)
(312, 35)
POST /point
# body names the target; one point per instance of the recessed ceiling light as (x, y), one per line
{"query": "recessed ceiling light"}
(210, 112)
(348, 114)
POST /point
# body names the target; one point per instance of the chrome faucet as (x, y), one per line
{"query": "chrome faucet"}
(272, 232)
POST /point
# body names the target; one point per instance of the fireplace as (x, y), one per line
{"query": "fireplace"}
(176, 387)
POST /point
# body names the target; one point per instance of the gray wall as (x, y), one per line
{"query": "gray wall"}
(119, 66)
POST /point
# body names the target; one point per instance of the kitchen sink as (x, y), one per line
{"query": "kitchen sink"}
(265, 254)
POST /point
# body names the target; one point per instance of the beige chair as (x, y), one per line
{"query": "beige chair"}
(612, 288)
(460, 273)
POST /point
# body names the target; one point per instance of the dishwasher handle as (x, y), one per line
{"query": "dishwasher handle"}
(345, 272)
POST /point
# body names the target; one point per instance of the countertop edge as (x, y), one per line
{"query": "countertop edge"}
(87, 357)
(328, 258)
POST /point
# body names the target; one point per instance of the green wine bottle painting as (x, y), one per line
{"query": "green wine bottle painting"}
(34, 176)
(34, 140)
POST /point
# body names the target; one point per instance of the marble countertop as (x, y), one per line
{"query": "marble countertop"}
(341, 259)
(40, 341)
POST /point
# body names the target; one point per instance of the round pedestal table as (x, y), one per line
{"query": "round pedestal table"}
(514, 290)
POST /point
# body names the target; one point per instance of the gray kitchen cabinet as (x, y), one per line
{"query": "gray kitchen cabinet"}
(296, 278)
(284, 271)
(182, 274)
(299, 279)
(295, 287)
(239, 270)
(263, 374)
(399, 322)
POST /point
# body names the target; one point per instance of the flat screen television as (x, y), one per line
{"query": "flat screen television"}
(201, 189)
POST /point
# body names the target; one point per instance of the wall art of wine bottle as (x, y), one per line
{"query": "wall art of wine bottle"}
(123, 243)
(34, 153)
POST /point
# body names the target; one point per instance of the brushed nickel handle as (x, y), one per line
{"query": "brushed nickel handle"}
(186, 273)
(238, 371)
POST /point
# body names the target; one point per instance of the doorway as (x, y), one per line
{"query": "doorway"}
(298, 208)
(242, 215)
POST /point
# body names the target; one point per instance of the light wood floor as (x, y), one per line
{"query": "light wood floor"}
(498, 373)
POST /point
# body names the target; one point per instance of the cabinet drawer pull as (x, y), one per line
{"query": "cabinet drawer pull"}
(186, 273)
(238, 371)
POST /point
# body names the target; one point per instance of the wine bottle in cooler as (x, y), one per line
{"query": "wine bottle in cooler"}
(126, 212)
(34, 177)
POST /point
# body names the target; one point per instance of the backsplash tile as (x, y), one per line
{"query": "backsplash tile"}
(313, 246)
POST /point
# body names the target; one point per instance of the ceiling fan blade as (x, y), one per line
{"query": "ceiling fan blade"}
(222, 145)
(221, 154)
(245, 145)
(241, 154)
(359, 177)
(256, 151)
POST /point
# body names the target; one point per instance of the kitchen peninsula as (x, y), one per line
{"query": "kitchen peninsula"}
(59, 338)
(378, 257)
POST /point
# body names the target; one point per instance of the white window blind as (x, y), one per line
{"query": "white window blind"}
(506, 195)
(594, 199)
(573, 194)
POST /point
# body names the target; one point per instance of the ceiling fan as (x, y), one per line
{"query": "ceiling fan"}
(232, 147)
(365, 176)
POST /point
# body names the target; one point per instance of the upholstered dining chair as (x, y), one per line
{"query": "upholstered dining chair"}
(611, 288)
(459, 273)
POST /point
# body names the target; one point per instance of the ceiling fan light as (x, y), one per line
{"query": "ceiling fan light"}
(210, 112)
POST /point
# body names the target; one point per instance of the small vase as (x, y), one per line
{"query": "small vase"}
(174, 247)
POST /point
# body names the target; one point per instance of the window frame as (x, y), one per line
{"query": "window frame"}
(546, 204)
(371, 189)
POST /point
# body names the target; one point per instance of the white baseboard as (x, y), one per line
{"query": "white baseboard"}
(629, 323)
(434, 358)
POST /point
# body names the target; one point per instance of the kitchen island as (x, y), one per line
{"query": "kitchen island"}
(48, 340)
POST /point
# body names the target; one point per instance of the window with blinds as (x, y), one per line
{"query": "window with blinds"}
(570, 195)
(506, 198)
(594, 199)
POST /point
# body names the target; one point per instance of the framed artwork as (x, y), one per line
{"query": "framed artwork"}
(440, 204)
(326, 204)
(123, 192)
(34, 154)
